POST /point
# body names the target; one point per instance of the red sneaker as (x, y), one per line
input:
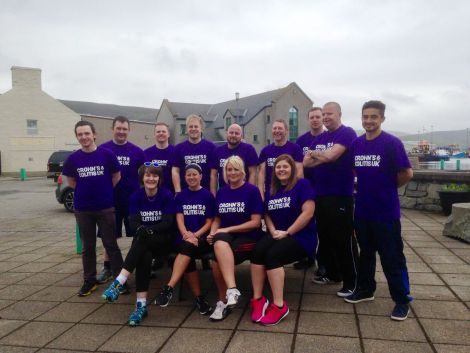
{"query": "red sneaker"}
(258, 308)
(274, 315)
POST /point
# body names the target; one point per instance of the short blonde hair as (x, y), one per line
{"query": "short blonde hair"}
(195, 117)
(237, 163)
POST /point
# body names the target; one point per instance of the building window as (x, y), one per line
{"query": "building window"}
(182, 129)
(268, 119)
(32, 127)
(255, 138)
(293, 124)
(228, 122)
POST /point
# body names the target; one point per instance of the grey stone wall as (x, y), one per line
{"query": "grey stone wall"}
(421, 192)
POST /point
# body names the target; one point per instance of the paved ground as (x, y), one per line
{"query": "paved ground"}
(40, 312)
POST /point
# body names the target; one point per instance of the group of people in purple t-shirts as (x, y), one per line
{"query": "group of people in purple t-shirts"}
(296, 202)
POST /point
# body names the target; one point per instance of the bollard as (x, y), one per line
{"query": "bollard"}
(78, 240)
(23, 175)
(457, 164)
(441, 164)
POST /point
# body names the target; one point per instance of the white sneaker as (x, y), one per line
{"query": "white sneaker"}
(232, 296)
(221, 312)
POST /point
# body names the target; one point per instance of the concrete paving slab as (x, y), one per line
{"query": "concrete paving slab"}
(7, 257)
(440, 310)
(261, 342)
(84, 337)
(18, 292)
(65, 268)
(325, 303)
(419, 267)
(196, 320)
(26, 257)
(447, 348)
(171, 316)
(321, 344)
(425, 278)
(384, 328)
(35, 334)
(448, 331)
(380, 346)
(110, 314)
(68, 312)
(25, 310)
(9, 265)
(202, 341)
(7, 326)
(33, 267)
(379, 306)
(144, 340)
(451, 268)
(327, 324)
(4, 303)
(13, 349)
(457, 279)
(43, 279)
(287, 325)
(54, 293)
(462, 292)
(433, 251)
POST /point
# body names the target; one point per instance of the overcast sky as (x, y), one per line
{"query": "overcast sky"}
(413, 55)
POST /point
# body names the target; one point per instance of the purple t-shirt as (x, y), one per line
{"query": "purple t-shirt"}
(199, 153)
(130, 157)
(244, 150)
(305, 141)
(151, 209)
(271, 152)
(285, 207)
(236, 206)
(196, 207)
(93, 173)
(165, 158)
(336, 178)
(377, 163)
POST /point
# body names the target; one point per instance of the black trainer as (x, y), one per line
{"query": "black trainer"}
(163, 299)
(203, 306)
(359, 296)
(87, 289)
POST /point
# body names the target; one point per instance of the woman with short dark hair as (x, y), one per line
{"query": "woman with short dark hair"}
(151, 217)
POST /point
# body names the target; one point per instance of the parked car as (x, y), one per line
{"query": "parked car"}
(64, 193)
(56, 163)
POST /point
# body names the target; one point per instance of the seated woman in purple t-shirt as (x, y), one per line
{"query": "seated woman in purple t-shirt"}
(291, 236)
(195, 210)
(234, 232)
(151, 218)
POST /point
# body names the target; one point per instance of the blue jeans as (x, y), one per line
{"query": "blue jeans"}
(384, 238)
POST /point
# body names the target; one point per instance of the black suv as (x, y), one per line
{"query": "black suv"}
(56, 163)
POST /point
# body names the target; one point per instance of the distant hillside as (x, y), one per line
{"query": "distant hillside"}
(442, 138)
(394, 133)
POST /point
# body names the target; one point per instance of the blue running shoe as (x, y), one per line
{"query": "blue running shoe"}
(138, 314)
(112, 293)
(400, 312)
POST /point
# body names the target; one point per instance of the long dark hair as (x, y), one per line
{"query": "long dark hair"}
(275, 182)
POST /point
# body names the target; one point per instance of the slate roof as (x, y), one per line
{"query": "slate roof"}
(112, 110)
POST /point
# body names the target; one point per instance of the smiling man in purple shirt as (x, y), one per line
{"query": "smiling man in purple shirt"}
(381, 166)
(93, 172)
(329, 156)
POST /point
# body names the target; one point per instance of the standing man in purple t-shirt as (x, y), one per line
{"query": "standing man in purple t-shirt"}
(130, 158)
(234, 147)
(162, 153)
(329, 156)
(281, 145)
(315, 121)
(381, 166)
(195, 150)
(93, 172)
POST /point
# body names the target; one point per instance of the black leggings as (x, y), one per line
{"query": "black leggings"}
(140, 257)
(194, 252)
(274, 253)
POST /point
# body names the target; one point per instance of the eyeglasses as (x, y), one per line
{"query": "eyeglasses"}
(151, 164)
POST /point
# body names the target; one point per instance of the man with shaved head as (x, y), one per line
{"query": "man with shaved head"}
(234, 147)
(329, 158)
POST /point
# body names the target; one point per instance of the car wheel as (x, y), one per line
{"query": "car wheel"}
(68, 200)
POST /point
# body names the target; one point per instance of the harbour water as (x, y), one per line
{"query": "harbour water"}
(451, 164)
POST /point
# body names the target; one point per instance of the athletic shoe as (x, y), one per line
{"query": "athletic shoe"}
(232, 296)
(112, 293)
(274, 314)
(221, 311)
(138, 314)
(202, 305)
(104, 276)
(124, 289)
(344, 292)
(400, 312)
(87, 289)
(359, 296)
(323, 280)
(258, 308)
(164, 297)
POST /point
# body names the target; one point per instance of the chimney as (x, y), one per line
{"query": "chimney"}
(26, 77)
